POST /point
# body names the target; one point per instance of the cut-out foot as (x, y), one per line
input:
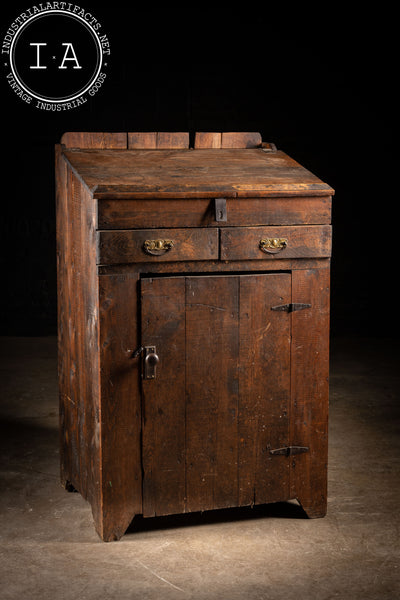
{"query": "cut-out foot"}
(111, 528)
(314, 511)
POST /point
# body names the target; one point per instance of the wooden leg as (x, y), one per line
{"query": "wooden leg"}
(111, 524)
(111, 518)
(310, 389)
(315, 509)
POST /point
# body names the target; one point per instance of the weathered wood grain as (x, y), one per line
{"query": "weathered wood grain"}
(141, 213)
(221, 397)
(215, 266)
(140, 140)
(68, 454)
(212, 352)
(164, 444)
(78, 338)
(235, 139)
(242, 139)
(264, 388)
(173, 140)
(310, 389)
(248, 172)
(204, 139)
(120, 432)
(235, 379)
(161, 140)
(94, 140)
(127, 246)
(302, 242)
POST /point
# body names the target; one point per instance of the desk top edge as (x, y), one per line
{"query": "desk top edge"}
(193, 172)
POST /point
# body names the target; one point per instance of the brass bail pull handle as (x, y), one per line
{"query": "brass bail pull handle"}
(273, 245)
(157, 247)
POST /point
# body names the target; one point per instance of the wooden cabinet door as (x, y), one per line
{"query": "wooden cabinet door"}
(220, 399)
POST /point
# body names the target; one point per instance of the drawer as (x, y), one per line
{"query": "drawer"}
(120, 213)
(261, 243)
(156, 245)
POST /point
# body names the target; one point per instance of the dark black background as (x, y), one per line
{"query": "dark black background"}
(318, 82)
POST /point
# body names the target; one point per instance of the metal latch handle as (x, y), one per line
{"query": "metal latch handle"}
(151, 361)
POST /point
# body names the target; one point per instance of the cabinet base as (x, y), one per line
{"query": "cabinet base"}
(110, 532)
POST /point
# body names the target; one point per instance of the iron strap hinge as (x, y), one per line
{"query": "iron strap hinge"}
(292, 307)
(289, 450)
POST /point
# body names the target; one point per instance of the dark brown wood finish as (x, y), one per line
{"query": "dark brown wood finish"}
(227, 139)
(237, 378)
(302, 242)
(163, 325)
(264, 410)
(129, 246)
(139, 213)
(310, 389)
(221, 398)
(212, 351)
(99, 140)
(235, 172)
(78, 338)
(160, 140)
(216, 266)
(121, 483)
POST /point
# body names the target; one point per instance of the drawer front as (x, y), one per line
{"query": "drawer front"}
(156, 245)
(261, 243)
(137, 213)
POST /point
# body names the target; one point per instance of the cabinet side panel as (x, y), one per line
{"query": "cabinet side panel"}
(310, 389)
(69, 453)
(78, 335)
(85, 303)
(120, 403)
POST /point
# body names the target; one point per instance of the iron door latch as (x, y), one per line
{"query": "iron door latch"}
(150, 361)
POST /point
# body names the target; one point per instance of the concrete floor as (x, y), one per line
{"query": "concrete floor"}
(49, 548)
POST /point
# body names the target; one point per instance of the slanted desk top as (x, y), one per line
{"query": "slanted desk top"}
(248, 172)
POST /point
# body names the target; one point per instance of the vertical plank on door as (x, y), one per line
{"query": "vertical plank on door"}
(163, 446)
(212, 349)
(264, 388)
